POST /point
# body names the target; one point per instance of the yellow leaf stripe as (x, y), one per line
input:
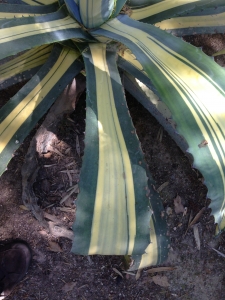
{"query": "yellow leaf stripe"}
(30, 59)
(114, 220)
(145, 12)
(193, 22)
(194, 86)
(25, 108)
(21, 31)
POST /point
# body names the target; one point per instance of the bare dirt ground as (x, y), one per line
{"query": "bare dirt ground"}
(56, 273)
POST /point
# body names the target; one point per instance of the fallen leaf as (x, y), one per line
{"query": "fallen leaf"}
(162, 186)
(68, 286)
(54, 247)
(197, 237)
(197, 217)
(220, 253)
(178, 206)
(138, 274)
(118, 272)
(23, 207)
(161, 269)
(161, 280)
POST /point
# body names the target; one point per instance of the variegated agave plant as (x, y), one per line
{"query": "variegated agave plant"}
(116, 200)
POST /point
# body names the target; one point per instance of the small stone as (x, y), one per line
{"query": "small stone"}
(169, 211)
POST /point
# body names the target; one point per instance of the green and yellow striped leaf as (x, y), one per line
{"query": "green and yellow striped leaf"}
(192, 86)
(73, 9)
(23, 67)
(95, 12)
(21, 113)
(38, 2)
(10, 11)
(32, 2)
(26, 33)
(113, 215)
(206, 21)
(161, 10)
(155, 106)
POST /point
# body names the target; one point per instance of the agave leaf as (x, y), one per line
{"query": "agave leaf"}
(95, 13)
(161, 10)
(146, 94)
(17, 11)
(205, 21)
(155, 106)
(34, 2)
(112, 208)
(141, 3)
(196, 87)
(25, 33)
(21, 113)
(73, 9)
(23, 67)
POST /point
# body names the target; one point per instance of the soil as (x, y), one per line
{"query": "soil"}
(56, 273)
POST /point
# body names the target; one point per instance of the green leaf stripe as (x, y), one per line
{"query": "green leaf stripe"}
(192, 78)
(22, 112)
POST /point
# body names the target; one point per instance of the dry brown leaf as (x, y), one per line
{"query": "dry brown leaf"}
(54, 247)
(138, 274)
(197, 237)
(162, 186)
(161, 269)
(118, 272)
(197, 217)
(218, 252)
(23, 207)
(178, 206)
(69, 286)
(161, 280)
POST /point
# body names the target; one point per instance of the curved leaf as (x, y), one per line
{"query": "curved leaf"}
(196, 86)
(112, 208)
(73, 9)
(141, 3)
(21, 113)
(38, 2)
(95, 12)
(23, 67)
(25, 33)
(17, 11)
(164, 9)
(204, 22)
